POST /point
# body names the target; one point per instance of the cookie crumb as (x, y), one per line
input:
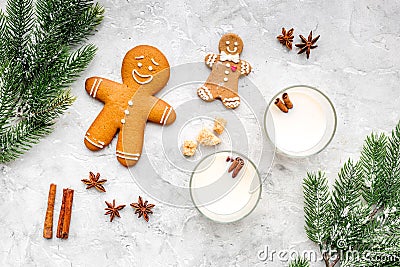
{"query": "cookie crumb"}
(189, 148)
(219, 125)
(207, 138)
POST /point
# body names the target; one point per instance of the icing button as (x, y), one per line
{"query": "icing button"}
(225, 79)
(227, 72)
(123, 121)
(228, 65)
(126, 112)
(130, 103)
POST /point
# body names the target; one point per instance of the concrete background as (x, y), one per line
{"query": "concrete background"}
(357, 64)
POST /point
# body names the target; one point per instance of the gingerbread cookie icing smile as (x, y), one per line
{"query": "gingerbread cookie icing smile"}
(143, 78)
(226, 67)
(136, 74)
(128, 106)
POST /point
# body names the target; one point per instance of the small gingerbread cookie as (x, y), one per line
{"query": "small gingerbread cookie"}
(226, 67)
(128, 106)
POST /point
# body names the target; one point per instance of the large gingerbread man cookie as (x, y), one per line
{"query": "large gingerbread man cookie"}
(128, 106)
(226, 68)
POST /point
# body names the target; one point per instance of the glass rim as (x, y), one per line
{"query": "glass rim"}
(330, 104)
(257, 173)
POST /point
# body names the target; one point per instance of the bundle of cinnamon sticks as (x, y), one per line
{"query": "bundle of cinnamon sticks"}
(64, 218)
(285, 105)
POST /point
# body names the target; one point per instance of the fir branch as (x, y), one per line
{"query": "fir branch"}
(77, 62)
(371, 167)
(18, 26)
(382, 232)
(317, 207)
(40, 58)
(27, 131)
(61, 25)
(56, 107)
(60, 76)
(357, 234)
(347, 214)
(10, 91)
(20, 137)
(384, 258)
(346, 191)
(326, 256)
(3, 23)
(69, 23)
(392, 169)
(299, 262)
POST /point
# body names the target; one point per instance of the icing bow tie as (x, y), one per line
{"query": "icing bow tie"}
(234, 58)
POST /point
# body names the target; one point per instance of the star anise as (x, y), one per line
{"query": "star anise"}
(286, 38)
(94, 182)
(113, 210)
(307, 45)
(143, 208)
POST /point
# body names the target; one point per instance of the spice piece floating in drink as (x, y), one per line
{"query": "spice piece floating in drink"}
(286, 100)
(236, 166)
(281, 105)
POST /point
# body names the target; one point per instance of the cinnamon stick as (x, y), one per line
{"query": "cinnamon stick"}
(61, 216)
(64, 219)
(48, 221)
(287, 101)
(281, 106)
(238, 167)
(68, 213)
(233, 165)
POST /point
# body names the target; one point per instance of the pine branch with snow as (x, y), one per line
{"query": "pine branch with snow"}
(358, 222)
(41, 55)
(299, 262)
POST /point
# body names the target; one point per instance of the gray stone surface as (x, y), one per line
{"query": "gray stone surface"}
(357, 64)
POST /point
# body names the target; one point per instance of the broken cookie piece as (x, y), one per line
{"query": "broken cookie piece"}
(219, 125)
(189, 148)
(207, 138)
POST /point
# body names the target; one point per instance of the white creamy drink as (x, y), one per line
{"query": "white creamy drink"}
(304, 129)
(219, 196)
